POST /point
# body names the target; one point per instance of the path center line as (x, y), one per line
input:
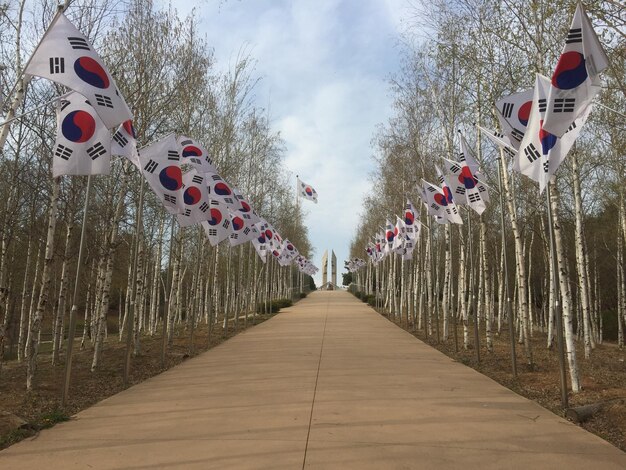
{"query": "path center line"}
(319, 363)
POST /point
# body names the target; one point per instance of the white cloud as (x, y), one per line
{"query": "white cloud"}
(323, 65)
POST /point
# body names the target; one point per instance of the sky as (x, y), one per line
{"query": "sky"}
(324, 66)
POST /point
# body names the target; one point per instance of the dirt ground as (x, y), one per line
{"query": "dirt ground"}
(40, 408)
(603, 376)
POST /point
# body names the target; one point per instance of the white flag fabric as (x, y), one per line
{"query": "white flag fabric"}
(307, 191)
(217, 228)
(83, 143)
(288, 254)
(244, 208)
(412, 228)
(468, 168)
(500, 140)
(124, 143)
(455, 183)
(160, 162)
(399, 236)
(260, 242)
(65, 56)
(390, 236)
(513, 114)
(576, 78)
(242, 231)
(195, 199)
(541, 152)
(194, 154)
(440, 204)
(221, 190)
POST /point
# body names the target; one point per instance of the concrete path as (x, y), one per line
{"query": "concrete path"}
(326, 384)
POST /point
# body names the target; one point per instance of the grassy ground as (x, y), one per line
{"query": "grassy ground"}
(603, 375)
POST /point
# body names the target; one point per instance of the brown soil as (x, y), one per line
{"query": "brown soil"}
(603, 376)
(41, 408)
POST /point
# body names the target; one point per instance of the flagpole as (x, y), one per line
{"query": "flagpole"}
(506, 270)
(557, 306)
(166, 298)
(472, 297)
(72, 326)
(130, 321)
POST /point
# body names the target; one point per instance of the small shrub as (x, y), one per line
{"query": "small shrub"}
(283, 303)
(358, 294)
(371, 300)
(302, 295)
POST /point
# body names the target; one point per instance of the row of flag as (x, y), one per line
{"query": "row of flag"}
(539, 127)
(177, 168)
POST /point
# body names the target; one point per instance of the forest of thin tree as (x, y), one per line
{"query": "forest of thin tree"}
(456, 65)
(141, 273)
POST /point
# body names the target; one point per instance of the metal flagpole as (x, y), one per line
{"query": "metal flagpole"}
(557, 309)
(509, 310)
(472, 297)
(130, 321)
(166, 297)
(72, 327)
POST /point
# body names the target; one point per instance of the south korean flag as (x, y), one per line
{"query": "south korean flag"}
(193, 153)
(196, 200)
(454, 183)
(65, 56)
(576, 78)
(513, 114)
(124, 143)
(218, 227)
(221, 191)
(242, 231)
(83, 143)
(160, 164)
(260, 242)
(288, 254)
(245, 209)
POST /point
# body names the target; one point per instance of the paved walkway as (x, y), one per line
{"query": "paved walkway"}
(326, 384)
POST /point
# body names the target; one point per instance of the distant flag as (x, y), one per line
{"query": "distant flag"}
(196, 200)
(307, 191)
(260, 242)
(576, 79)
(468, 168)
(500, 140)
(221, 191)
(241, 230)
(124, 143)
(83, 143)
(217, 228)
(440, 204)
(244, 208)
(65, 56)
(541, 152)
(288, 254)
(399, 236)
(160, 162)
(193, 153)
(513, 114)
(412, 227)
(390, 236)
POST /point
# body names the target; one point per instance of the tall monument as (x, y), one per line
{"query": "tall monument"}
(325, 268)
(334, 267)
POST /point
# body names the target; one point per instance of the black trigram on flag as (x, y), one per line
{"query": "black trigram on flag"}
(169, 198)
(212, 232)
(546, 166)
(226, 223)
(454, 210)
(531, 153)
(187, 213)
(575, 35)
(95, 151)
(455, 168)
(64, 104)
(435, 206)
(517, 134)
(197, 179)
(246, 231)
(246, 216)
(430, 188)
(151, 166)
(571, 127)
(460, 191)
(542, 105)
(78, 43)
(57, 65)
(63, 152)
(173, 155)
(564, 105)
(229, 200)
(473, 197)
(507, 110)
(120, 139)
(509, 152)
(216, 177)
(204, 207)
(103, 100)
(461, 157)
(186, 142)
